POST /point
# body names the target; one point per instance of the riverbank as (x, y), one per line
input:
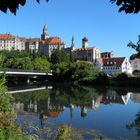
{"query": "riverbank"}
(127, 82)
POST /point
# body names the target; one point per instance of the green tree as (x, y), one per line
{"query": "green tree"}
(19, 63)
(9, 130)
(136, 47)
(59, 56)
(74, 71)
(129, 6)
(41, 64)
(82, 70)
(135, 124)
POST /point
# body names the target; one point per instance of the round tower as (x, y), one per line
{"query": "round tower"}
(84, 42)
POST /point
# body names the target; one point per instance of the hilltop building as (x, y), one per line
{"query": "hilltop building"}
(85, 53)
(114, 65)
(44, 45)
(45, 34)
(9, 42)
(49, 44)
(32, 45)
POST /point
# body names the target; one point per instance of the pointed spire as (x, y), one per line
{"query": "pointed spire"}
(72, 43)
(45, 26)
(45, 32)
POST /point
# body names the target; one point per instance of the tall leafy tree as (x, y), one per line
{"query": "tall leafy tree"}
(59, 56)
(129, 6)
(136, 47)
(41, 64)
(12, 5)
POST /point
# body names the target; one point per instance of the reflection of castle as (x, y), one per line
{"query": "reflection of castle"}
(46, 106)
(96, 101)
(135, 97)
(21, 107)
(53, 108)
(111, 97)
(84, 110)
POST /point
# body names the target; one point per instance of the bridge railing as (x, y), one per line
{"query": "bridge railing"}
(22, 70)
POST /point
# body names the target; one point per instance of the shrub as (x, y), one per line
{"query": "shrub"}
(121, 76)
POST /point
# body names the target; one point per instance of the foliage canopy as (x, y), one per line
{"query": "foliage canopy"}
(129, 6)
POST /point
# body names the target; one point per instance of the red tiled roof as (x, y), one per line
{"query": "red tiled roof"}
(33, 39)
(6, 36)
(100, 60)
(53, 113)
(53, 40)
(137, 59)
(99, 99)
(114, 61)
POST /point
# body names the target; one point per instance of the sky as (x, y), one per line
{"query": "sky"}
(98, 20)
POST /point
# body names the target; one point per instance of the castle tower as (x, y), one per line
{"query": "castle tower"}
(72, 44)
(45, 34)
(84, 42)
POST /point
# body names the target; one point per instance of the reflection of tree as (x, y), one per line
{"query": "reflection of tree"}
(135, 124)
(31, 96)
(76, 95)
(53, 101)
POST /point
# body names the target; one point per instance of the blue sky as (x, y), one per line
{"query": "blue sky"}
(98, 20)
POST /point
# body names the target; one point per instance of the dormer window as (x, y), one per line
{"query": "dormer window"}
(107, 63)
(111, 63)
(114, 62)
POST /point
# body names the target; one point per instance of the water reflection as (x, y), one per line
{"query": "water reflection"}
(64, 102)
(53, 102)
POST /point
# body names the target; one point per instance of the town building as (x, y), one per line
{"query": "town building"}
(135, 97)
(107, 54)
(112, 97)
(135, 64)
(114, 65)
(11, 42)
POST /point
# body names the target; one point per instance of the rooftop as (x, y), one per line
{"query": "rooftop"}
(114, 61)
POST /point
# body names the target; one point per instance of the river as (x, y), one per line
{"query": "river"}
(109, 112)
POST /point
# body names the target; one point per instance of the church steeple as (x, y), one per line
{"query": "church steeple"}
(72, 44)
(45, 34)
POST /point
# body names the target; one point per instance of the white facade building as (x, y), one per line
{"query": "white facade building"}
(114, 65)
(9, 42)
(50, 44)
(32, 45)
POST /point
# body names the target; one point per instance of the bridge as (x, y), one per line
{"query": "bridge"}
(21, 72)
(27, 89)
(26, 75)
